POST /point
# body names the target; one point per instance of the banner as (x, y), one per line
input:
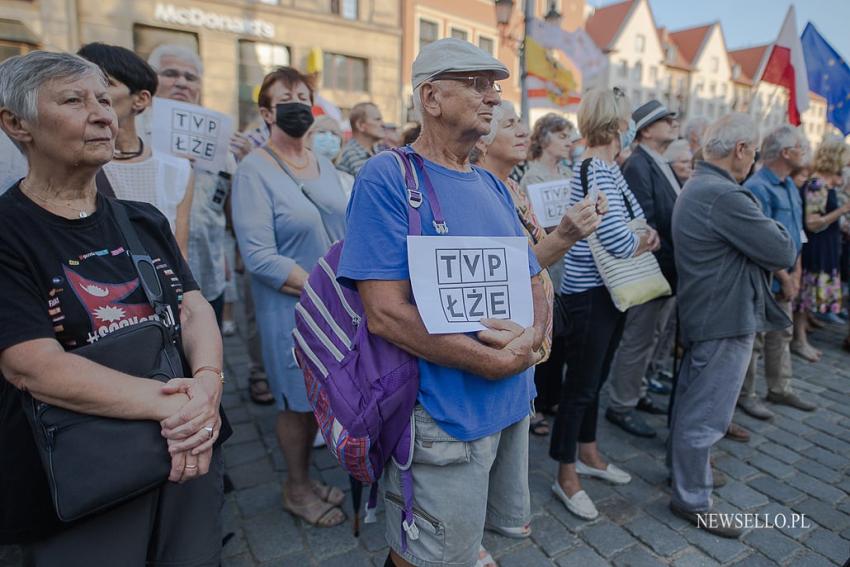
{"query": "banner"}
(459, 280)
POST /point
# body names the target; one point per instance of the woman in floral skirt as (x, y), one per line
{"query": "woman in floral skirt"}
(821, 284)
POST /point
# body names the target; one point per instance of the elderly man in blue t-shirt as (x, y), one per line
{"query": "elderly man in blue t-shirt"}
(470, 461)
(783, 150)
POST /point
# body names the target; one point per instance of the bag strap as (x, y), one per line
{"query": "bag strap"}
(414, 196)
(585, 166)
(141, 261)
(104, 187)
(413, 161)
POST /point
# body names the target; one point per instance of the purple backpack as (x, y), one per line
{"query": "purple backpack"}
(361, 387)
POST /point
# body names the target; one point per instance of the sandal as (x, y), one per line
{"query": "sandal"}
(485, 559)
(330, 494)
(539, 425)
(316, 513)
(521, 532)
(258, 389)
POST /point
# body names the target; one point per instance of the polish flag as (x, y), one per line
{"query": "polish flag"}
(787, 67)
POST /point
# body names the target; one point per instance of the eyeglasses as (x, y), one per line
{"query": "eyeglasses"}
(481, 84)
(174, 74)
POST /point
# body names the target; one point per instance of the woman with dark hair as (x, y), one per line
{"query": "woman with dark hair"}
(137, 172)
(68, 281)
(288, 208)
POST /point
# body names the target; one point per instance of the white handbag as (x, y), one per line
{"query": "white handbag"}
(630, 281)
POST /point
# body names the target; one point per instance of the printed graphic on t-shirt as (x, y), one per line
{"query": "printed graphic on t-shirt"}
(104, 303)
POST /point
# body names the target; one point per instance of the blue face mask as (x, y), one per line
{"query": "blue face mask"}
(627, 137)
(576, 153)
(326, 144)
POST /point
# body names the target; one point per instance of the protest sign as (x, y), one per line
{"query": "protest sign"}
(459, 280)
(192, 131)
(550, 200)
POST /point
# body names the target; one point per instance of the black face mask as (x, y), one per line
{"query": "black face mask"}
(294, 118)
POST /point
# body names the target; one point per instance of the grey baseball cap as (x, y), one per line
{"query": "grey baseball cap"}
(452, 55)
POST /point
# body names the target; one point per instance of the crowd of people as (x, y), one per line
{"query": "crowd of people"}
(748, 228)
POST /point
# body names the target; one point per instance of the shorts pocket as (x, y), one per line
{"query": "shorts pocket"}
(433, 446)
(424, 520)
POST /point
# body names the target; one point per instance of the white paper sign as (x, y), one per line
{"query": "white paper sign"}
(459, 280)
(550, 200)
(192, 131)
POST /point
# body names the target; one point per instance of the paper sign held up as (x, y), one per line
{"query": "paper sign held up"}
(192, 131)
(459, 280)
(550, 200)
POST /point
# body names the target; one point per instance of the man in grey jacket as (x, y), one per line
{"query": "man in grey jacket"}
(724, 248)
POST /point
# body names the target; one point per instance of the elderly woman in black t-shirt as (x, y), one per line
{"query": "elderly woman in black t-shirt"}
(66, 280)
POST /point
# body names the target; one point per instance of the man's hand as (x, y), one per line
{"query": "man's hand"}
(499, 332)
(521, 352)
(579, 221)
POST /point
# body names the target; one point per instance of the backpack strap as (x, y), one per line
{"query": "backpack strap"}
(409, 161)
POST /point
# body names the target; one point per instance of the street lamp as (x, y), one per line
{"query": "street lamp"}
(504, 11)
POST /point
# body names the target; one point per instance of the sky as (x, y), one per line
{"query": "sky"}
(753, 22)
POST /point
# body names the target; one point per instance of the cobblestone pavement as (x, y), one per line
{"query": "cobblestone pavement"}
(798, 463)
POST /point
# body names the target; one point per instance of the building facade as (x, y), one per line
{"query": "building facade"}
(359, 41)
(692, 70)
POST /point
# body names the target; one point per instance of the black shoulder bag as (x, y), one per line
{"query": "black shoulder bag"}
(94, 463)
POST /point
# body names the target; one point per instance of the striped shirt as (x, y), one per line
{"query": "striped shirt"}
(580, 273)
(353, 157)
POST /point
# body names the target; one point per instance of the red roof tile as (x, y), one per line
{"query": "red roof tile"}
(749, 59)
(672, 55)
(602, 26)
(690, 40)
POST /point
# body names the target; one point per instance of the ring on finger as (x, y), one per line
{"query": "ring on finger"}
(190, 467)
(209, 430)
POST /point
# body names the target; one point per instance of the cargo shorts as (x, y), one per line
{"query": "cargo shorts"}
(458, 488)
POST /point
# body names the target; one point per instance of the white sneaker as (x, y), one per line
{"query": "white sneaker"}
(612, 473)
(580, 504)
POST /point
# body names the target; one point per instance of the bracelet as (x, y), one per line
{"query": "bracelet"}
(210, 369)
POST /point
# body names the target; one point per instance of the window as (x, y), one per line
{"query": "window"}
(458, 33)
(653, 74)
(712, 89)
(715, 64)
(723, 89)
(12, 48)
(348, 9)
(624, 68)
(487, 44)
(640, 42)
(147, 38)
(345, 73)
(638, 71)
(636, 97)
(428, 32)
(256, 60)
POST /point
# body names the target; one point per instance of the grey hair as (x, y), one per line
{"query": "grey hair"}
(22, 76)
(676, 149)
(499, 110)
(781, 137)
(723, 135)
(696, 126)
(176, 51)
(495, 123)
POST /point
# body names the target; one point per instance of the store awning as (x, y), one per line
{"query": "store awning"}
(13, 30)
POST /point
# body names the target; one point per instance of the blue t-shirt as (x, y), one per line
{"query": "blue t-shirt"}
(476, 203)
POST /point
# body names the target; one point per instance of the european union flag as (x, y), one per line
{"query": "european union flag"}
(829, 76)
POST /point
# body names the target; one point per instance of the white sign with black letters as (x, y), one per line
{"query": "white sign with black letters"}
(459, 280)
(550, 200)
(192, 131)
